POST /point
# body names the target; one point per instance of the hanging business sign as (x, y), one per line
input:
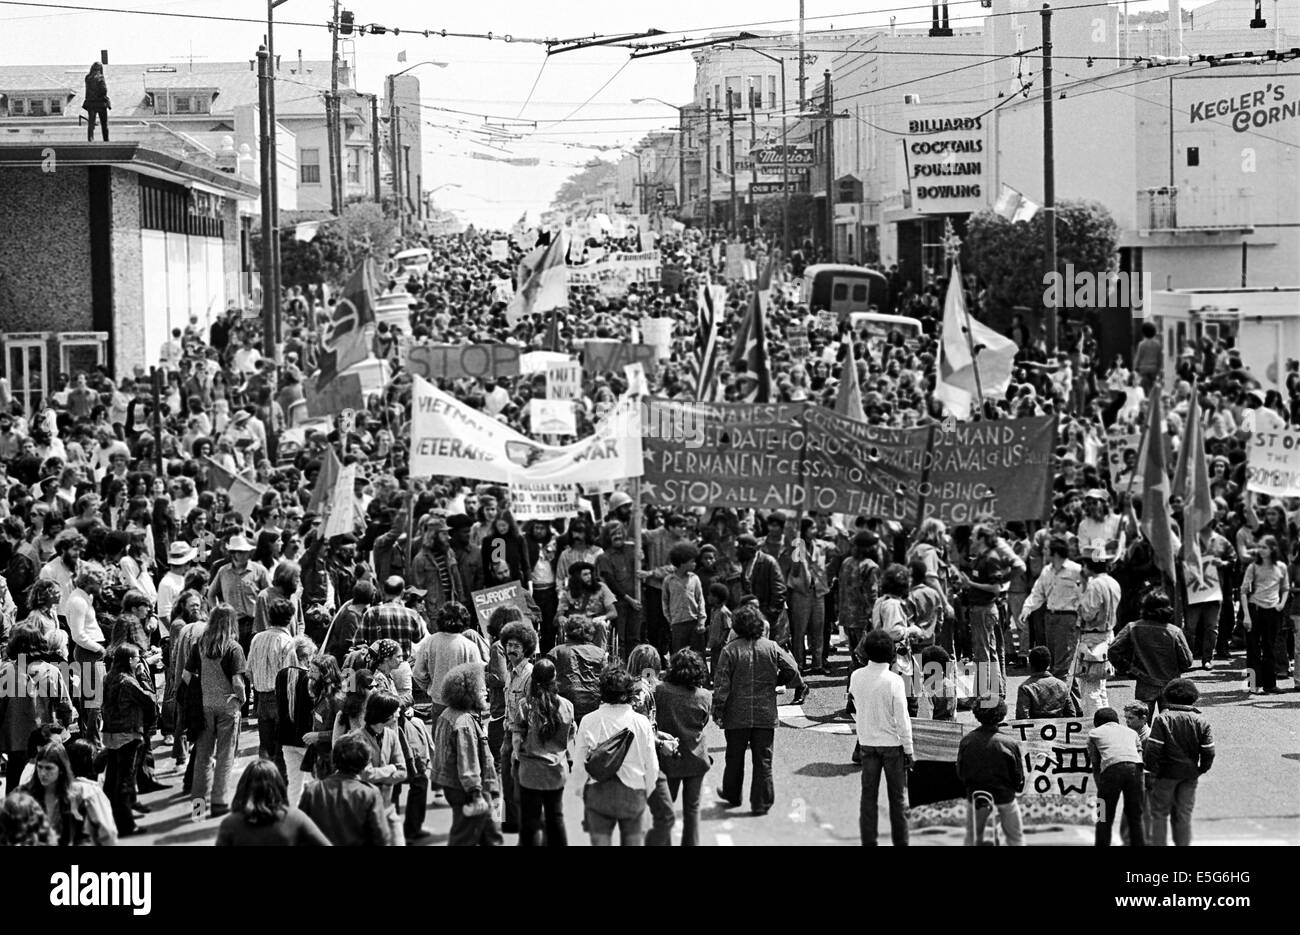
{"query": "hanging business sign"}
(773, 160)
(944, 153)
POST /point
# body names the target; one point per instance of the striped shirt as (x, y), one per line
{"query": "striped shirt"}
(270, 651)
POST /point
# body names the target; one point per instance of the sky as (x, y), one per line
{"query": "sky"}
(551, 104)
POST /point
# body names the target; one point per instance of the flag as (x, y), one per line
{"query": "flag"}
(220, 479)
(544, 285)
(1013, 206)
(245, 496)
(1157, 524)
(325, 480)
(848, 401)
(750, 348)
(342, 504)
(401, 56)
(702, 363)
(345, 344)
(973, 359)
(1192, 483)
(552, 341)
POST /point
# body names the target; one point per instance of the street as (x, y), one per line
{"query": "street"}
(1250, 797)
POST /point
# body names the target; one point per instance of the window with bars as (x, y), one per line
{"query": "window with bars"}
(182, 104)
(166, 206)
(36, 107)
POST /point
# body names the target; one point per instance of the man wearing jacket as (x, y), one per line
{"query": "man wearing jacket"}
(1178, 752)
(1152, 649)
(760, 576)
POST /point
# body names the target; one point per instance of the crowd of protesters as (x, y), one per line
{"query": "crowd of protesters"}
(158, 609)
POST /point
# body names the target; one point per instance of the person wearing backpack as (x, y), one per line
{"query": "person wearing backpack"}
(617, 746)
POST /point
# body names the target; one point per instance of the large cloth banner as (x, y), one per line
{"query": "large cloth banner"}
(457, 361)
(1273, 463)
(450, 439)
(788, 455)
(614, 272)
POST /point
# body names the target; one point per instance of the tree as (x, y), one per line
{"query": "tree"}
(771, 213)
(585, 184)
(1009, 257)
(338, 247)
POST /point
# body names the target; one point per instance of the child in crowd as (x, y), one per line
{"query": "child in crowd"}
(719, 622)
(684, 599)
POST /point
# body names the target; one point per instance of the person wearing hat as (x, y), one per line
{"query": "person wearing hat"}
(435, 569)
(238, 583)
(617, 568)
(469, 561)
(179, 558)
(1101, 530)
(1098, 613)
(620, 507)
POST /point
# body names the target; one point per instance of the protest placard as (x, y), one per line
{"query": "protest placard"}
(503, 595)
(796, 338)
(636, 381)
(456, 361)
(1273, 463)
(828, 321)
(735, 261)
(788, 455)
(343, 392)
(543, 501)
(551, 417)
(564, 380)
(500, 250)
(1059, 784)
(600, 357)
(613, 273)
(537, 361)
(658, 333)
(1122, 449)
(342, 511)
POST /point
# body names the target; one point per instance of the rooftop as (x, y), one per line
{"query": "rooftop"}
(133, 157)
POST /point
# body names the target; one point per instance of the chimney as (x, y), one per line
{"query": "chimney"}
(300, 71)
(1175, 27)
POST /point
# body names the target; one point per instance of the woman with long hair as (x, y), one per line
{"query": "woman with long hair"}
(618, 801)
(1265, 588)
(51, 786)
(682, 706)
(351, 714)
(261, 816)
(269, 548)
(541, 735)
(163, 523)
(218, 661)
(130, 714)
(43, 601)
(379, 732)
(23, 822)
(503, 552)
(47, 700)
(578, 664)
(541, 554)
(589, 597)
(325, 688)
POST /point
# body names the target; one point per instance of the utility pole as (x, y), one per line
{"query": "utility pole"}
(374, 145)
(273, 126)
(753, 167)
(830, 167)
(399, 183)
(802, 77)
(336, 196)
(270, 295)
(731, 156)
(1049, 174)
(708, 166)
(681, 162)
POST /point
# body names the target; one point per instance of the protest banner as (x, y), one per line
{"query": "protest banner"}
(791, 456)
(543, 501)
(1122, 450)
(1059, 784)
(658, 333)
(1273, 463)
(613, 273)
(599, 357)
(450, 438)
(503, 595)
(796, 338)
(342, 511)
(343, 392)
(457, 361)
(551, 417)
(828, 321)
(564, 380)
(671, 278)
(500, 250)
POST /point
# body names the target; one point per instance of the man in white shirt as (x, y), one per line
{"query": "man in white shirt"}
(88, 647)
(179, 557)
(884, 735)
(1058, 588)
(495, 397)
(62, 569)
(270, 651)
(246, 358)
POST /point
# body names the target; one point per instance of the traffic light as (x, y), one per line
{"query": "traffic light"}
(346, 19)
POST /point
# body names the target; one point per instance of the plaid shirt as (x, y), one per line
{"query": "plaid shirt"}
(391, 621)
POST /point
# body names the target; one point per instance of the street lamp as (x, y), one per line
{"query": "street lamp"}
(395, 135)
(785, 154)
(681, 146)
(416, 65)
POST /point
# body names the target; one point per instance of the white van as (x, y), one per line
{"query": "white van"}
(879, 326)
(415, 262)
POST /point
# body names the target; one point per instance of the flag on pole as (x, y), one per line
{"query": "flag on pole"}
(973, 359)
(1013, 206)
(710, 303)
(1157, 524)
(401, 56)
(1192, 483)
(848, 399)
(345, 344)
(245, 496)
(544, 285)
(750, 349)
(325, 479)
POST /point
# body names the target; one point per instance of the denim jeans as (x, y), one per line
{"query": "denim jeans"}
(466, 831)
(759, 741)
(891, 762)
(1261, 643)
(220, 739)
(1008, 814)
(690, 787)
(807, 620)
(1171, 801)
(119, 784)
(1063, 641)
(1202, 619)
(542, 811)
(268, 732)
(1121, 779)
(988, 652)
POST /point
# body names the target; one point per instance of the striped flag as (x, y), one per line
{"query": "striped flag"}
(710, 304)
(1192, 483)
(750, 348)
(1157, 524)
(346, 344)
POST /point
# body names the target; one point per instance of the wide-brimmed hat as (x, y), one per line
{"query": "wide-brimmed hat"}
(181, 553)
(238, 543)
